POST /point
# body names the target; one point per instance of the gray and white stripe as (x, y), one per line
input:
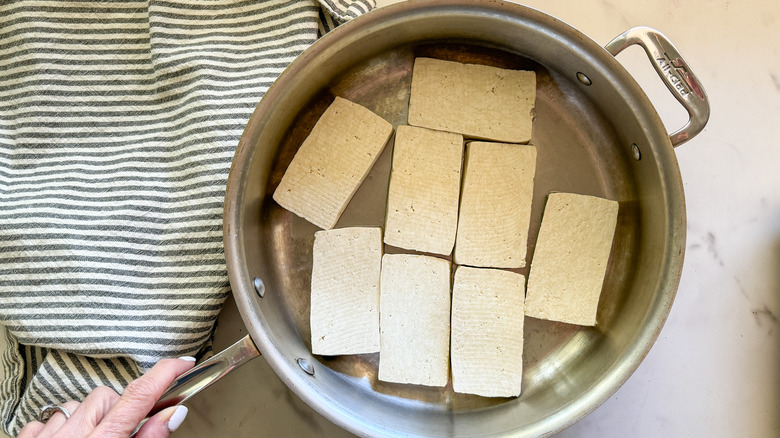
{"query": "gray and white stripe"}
(118, 124)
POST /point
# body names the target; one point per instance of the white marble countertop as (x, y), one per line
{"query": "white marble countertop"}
(715, 369)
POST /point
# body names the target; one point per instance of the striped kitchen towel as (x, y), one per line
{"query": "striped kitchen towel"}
(118, 124)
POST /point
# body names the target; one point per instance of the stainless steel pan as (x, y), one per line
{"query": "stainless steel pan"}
(596, 133)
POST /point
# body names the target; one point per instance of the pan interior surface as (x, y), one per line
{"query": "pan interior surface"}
(584, 136)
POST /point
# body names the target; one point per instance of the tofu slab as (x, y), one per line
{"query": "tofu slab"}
(474, 100)
(345, 291)
(570, 260)
(414, 320)
(422, 200)
(495, 205)
(487, 332)
(332, 162)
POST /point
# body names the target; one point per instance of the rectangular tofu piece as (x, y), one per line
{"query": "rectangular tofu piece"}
(474, 100)
(487, 332)
(495, 205)
(570, 260)
(345, 291)
(332, 162)
(422, 200)
(414, 313)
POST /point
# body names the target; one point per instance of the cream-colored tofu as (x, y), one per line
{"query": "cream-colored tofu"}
(487, 332)
(570, 260)
(474, 100)
(345, 291)
(422, 200)
(495, 205)
(332, 163)
(414, 313)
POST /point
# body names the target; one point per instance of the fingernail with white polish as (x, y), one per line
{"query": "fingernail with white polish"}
(188, 358)
(177, 418)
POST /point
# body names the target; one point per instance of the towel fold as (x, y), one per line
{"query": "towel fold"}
(118, 124)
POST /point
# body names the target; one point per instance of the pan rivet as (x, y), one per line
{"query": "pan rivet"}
(305, 366)
(583, 78)
(259, 286)
(635, 152)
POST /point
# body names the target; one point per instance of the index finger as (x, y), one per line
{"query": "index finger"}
(139, 398)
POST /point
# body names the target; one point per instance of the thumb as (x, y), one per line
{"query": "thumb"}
(163, 423)
(139, 397)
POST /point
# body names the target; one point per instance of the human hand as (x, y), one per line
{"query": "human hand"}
(106, 414)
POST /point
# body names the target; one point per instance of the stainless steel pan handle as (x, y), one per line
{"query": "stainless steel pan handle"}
(675, 73)
(203, 375)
